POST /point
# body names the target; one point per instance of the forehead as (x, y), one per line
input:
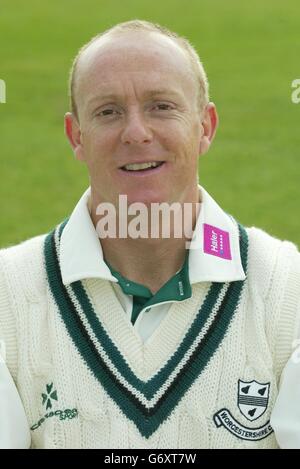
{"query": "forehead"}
(148, 60)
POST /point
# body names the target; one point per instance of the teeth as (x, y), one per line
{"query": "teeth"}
(138, 166)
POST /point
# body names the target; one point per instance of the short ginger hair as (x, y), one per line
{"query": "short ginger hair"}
(146, 26)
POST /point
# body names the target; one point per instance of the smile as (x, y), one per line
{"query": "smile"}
(142, 166)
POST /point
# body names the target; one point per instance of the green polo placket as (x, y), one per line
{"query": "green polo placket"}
(177, 288)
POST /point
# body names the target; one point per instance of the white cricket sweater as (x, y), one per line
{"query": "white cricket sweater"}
(207, 377)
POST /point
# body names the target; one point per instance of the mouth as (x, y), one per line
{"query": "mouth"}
(142, 168)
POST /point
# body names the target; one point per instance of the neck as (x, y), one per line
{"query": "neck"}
(149, 260)
(153, 271)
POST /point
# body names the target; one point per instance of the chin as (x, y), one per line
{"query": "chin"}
(146, 198)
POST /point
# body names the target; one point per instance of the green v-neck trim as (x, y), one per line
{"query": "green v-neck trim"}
(146, 403)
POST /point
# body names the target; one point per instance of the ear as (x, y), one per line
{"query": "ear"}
(210, 121)
(73, 132)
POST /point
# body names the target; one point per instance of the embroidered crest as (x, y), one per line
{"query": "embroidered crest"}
(253, 398)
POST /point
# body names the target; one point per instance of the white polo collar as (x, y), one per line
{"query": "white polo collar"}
(81, 254)
(207, 261)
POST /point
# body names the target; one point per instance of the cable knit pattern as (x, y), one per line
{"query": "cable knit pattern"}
(65, 403)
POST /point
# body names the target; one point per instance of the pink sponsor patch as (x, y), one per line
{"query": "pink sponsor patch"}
(216, 242)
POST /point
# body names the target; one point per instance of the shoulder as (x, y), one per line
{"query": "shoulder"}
(274, 280)
(268, 247)
(26, 251)
(271, 260)
(22, 265)
(22, 281)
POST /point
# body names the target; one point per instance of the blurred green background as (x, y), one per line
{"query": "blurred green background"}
(251, 51)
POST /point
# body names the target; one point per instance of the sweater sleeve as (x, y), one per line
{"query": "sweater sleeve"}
(285, 418)
(8, 333)
(289, 322)
(14, 429)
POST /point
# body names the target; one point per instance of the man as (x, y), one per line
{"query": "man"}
(171, 341)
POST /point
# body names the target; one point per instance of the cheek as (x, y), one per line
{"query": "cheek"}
(186, 146)
(97, 144)
(173, 135)
(185, 134)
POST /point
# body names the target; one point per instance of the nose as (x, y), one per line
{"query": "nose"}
(136, 129)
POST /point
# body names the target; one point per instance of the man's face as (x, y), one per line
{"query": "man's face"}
(137, 103)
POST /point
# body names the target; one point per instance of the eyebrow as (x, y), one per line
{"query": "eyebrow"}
(147, 94)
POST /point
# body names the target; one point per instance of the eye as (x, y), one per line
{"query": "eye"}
(107, 112)
(163, 106)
